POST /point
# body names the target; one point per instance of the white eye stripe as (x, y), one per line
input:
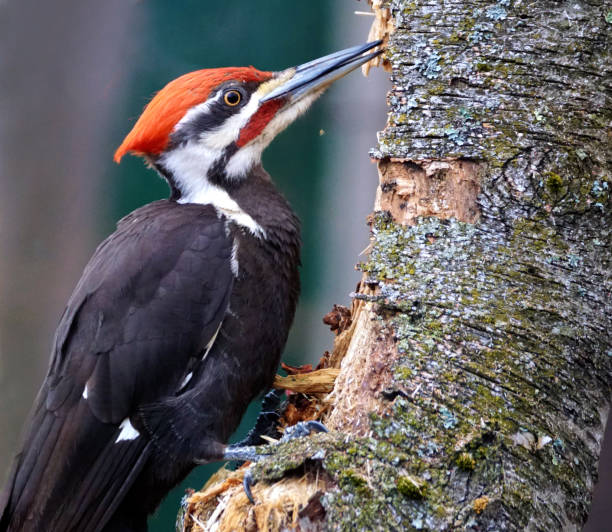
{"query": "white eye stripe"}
(227, 132)
(194, 112)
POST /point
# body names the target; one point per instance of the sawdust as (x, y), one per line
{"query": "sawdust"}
(339, 319)
(302, 407)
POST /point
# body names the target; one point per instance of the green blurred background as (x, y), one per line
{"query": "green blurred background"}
(74, 76)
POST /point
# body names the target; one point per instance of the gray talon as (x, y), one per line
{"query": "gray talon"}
(247, 482)
(302, 429)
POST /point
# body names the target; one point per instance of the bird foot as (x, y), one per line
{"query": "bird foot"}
(251, 454)
(302, 429)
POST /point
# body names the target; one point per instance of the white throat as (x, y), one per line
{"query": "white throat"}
(189, 166)
(225, 205)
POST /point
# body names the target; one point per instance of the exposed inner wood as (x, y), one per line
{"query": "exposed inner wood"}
(381, 28)
(365, 355)
(318, 381)
(288, 504)
(446, 188)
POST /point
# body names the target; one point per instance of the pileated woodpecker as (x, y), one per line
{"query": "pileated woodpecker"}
(181, 315)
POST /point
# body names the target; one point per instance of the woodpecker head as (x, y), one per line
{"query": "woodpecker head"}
(208, 128)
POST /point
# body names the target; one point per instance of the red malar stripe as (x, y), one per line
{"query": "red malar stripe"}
(259, 121)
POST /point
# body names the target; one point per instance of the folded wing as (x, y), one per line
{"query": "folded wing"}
(149, 301)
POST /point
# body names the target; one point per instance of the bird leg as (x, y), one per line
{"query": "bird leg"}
(267, 420)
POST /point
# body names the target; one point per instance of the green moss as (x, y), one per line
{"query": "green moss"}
(455, 267)
(492, 315)
(484, 67)
(466, 462)
(436, 88)
(554, 182)
(349, 479)
(456, 36)
(411, 487)
(408, 8)
(403, 373)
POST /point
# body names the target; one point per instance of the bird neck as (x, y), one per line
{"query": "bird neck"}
(251, 200)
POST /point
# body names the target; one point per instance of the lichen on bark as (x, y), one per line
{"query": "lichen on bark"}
(503, 380)
(502, 387)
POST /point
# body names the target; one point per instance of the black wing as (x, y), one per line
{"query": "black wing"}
(149, 301)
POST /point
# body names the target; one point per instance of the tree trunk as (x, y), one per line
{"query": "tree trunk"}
(475, 373)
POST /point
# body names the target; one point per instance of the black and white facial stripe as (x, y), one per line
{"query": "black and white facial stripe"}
(205, 165)
(213, 113)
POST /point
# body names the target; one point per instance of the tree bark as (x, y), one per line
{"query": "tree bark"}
(475, 371)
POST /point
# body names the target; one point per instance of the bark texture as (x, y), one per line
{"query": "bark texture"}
(475, 376)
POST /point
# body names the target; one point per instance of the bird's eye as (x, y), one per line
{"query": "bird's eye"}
(232, 98)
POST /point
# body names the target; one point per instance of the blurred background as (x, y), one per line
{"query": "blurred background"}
(74, 77)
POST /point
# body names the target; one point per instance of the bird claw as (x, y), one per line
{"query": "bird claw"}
(299, 430)
(267, 420)
(302, 429)
(247, 482)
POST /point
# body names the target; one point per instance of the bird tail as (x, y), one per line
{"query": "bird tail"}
(8, 496)
(5, 498)
(42, 494)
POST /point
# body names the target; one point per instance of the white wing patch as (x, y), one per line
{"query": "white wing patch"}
(85, 393)
(207, 349)
(234, 259)
(211, 341)
(186, 380)
(128, 432)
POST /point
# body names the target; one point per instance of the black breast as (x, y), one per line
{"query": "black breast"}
(245, 356)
